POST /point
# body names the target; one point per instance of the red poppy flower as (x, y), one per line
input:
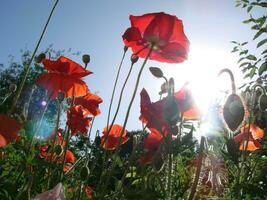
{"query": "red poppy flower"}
(152, 113)
(70, 157)
(89, 191)
(9, 129)
(90, 102)
(77, 120)
(111, 141)
(249, 136)
(151, 144)
(64, 75)
(153, 140)
(163, 31)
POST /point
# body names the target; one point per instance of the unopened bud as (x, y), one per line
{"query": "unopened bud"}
(12, 88)
(40, 57)
(86, 58)
(156, 72)
(134, 58)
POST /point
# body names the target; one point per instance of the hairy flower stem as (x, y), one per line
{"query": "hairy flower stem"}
(119, 103)
(53, 145)
(198, 170)
(68, 136)
(27, 67)
(126, 120)
(115, 84)
(88, 143)
(231, 77)
(170, 171)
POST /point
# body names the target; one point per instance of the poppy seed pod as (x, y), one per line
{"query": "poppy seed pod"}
(40, 57)
(134, 58)
(58, 150)
(84, 173)
(233, 112)
(12, 88)
(86, 58)
(156, 72)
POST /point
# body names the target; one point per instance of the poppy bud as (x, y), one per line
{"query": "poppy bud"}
(97, 140)
(233, 112)
(86, 59)
(12, 88)
(58, 150)
(40, 58)
(125, 48)
(60, 96)
(134, 58)
(84, 173)
(156, 72)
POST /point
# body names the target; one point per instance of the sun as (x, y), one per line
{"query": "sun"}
(201, 70)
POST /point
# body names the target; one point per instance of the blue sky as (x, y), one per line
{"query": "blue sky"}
(95, 27)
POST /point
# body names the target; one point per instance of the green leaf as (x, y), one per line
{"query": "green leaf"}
(234, 49)
(249, 8)
(252, 72)
(243, 52)
(251, 57)
(248, 21)
(261, 42)
(131, 175)
(264, 52)
(240, 60)
(244, 43)
(263, 4)
(261, 31)
(243, 64)
(263, 68)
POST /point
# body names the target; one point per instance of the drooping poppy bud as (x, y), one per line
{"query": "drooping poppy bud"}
(86, 59)
(156, 72)
(12, 88)
(233, 112)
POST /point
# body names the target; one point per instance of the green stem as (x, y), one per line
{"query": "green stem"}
(68, 136)
(88, 142)
(27, 67)
(53, 145)
(115, 85)
(119, 103)
(126, 119)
